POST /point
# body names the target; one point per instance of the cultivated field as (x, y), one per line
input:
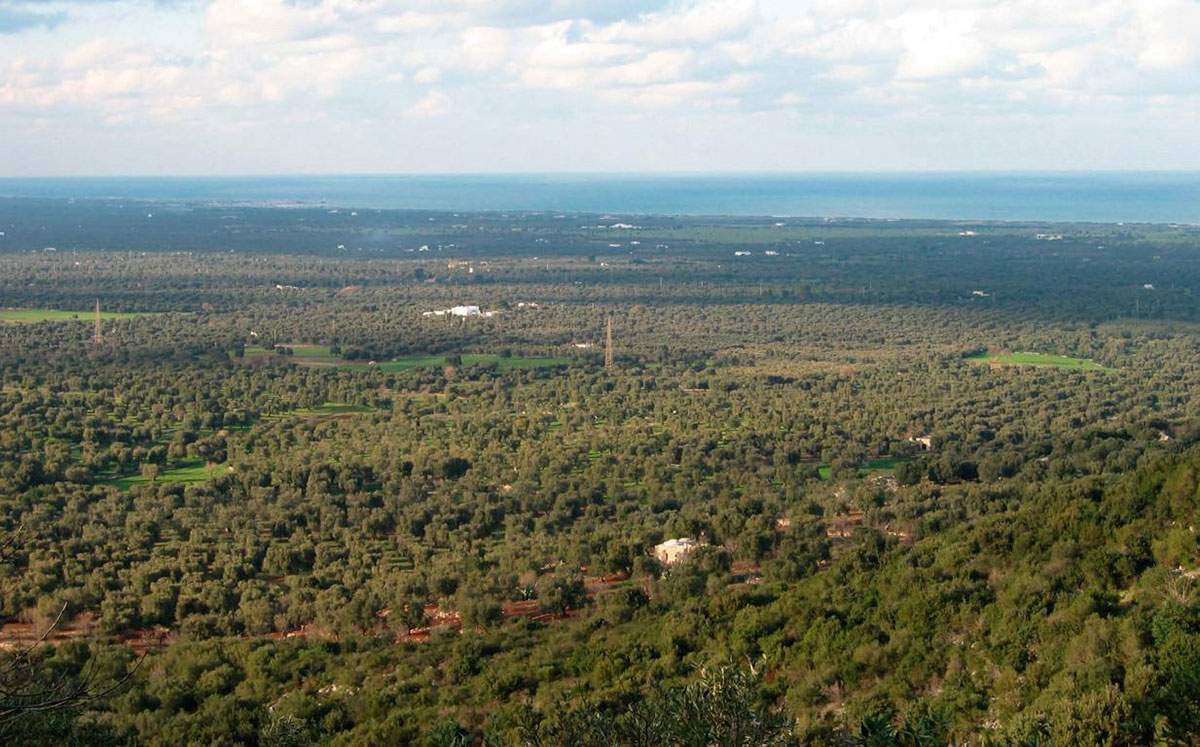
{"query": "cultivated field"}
(470, 359)
(27, 316)
(1038, 359)
(188, 470)
(321, 355)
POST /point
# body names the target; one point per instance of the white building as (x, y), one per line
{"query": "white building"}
(674, 550)
(924, 443)
(462, 311)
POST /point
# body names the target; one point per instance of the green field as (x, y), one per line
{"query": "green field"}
(874, 466)
(27, 316)
(189, 470)
(470, 359)
(320, 355)
(329, 408)
(1037, 359)
(311, 351)
(301, 352)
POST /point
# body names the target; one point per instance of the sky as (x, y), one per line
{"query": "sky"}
(189, 87)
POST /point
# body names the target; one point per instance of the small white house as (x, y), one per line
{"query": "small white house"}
(462, 311)
(674, 550)
(924, 443)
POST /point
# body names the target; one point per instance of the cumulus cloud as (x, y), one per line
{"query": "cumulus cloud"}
(432, 104)
(283, 48)
(427, 74)
(382, 58)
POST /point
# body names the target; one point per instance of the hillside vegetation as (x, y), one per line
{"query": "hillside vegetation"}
(317, 515)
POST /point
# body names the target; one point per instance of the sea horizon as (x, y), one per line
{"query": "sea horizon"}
(1161, 197)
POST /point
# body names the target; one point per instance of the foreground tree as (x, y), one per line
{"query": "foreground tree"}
(41, 689)
(719, 708)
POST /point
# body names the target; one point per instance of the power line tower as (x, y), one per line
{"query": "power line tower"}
(97, 334)
(608, 347)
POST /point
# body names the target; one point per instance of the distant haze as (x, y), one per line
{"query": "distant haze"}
(123, 87)
(1097, 197)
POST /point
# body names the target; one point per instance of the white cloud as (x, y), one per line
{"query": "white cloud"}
(703, 22)
(483, 48)
(277, 50)
(266, 61)
(432, 104)
(939, 44)
(703, 94)
(427, 74)
(411, 22)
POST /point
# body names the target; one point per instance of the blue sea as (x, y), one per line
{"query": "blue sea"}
(1141, 197)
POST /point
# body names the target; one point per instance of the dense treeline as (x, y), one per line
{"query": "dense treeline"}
(1055, 613)
(336, 520)
(183, 258)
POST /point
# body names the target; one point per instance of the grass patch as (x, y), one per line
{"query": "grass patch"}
(189, 470)
(874, 467)
(304, 353)
(311, 351)
(29, 316)
(470, 359)
(320, 355)
(1037, 359)
(404, 363)
(325, 410)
